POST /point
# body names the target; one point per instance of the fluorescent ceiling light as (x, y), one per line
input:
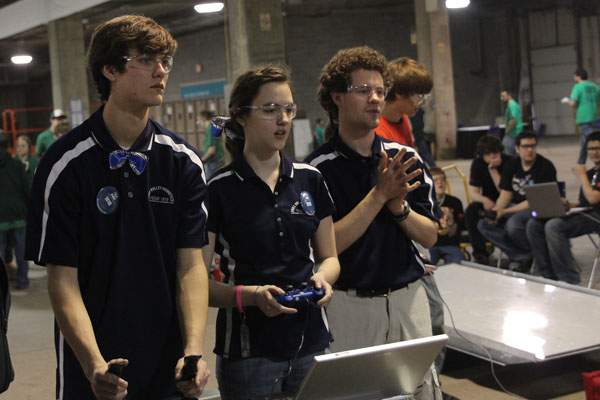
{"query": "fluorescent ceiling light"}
(457, 3)
(22, 59)
(204, 8)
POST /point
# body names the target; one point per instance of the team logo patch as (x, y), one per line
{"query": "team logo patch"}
(107, 200)
(160, 194)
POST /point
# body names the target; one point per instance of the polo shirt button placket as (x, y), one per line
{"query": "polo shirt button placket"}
(126, 174)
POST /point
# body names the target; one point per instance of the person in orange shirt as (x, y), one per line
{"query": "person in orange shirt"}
(411, 86)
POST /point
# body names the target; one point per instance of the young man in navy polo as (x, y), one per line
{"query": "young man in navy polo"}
(384, 200)
(117, 214)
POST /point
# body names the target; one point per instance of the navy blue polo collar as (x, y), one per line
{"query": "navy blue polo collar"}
(103, 138)
(244, 171)
(342, 148)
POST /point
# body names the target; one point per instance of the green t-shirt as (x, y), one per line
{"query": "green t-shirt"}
(513, 111)
(210, 140)
(43, 141)
(587, 95)
(319, 135)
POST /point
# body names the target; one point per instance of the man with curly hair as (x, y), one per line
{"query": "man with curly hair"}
(384, 201)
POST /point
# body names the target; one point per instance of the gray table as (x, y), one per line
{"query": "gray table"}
(518, 318)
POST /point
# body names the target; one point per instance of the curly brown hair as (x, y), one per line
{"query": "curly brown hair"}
(336, 74)
(115, 38)
(409, 77)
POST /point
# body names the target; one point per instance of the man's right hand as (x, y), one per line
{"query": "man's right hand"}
(392, 181)
(107, 386)
(488, 203)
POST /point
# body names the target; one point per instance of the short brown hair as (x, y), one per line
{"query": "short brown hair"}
(408, 77)
(335, 76)
(437, 171)
(244, 91)
(114, 39)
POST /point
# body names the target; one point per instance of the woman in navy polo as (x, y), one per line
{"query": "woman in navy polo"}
(270, 220)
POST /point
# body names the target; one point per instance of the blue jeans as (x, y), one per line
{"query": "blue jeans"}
(550, 244)
(584, 132)
(450, 254)
(257, 376)
(511, 236)
(509, 145)
(17, 238)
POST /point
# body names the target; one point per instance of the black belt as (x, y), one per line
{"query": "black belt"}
(384, 292)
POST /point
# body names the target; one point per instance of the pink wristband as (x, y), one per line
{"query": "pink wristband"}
(238, 298)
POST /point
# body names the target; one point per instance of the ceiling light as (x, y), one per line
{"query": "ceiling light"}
(204, 8)
(22, 59)
(457, 3)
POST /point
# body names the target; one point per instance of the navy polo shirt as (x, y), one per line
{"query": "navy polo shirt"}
(264, 237)
(126, 258)
(383, 257)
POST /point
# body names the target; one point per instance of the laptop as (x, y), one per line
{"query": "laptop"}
(545, 202)
(377, 372)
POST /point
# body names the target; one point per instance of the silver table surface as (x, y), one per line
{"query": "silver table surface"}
(518, 318)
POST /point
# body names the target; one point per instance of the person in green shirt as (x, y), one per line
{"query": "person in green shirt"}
(213, 157)
(584, 98)
(47, 137)
(514, 123)
(319, 131)
(23, 154)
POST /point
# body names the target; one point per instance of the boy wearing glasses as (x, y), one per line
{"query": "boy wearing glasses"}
(550, 240)
(507, 229)
(410, 85)
(384, 200)
(117, 214)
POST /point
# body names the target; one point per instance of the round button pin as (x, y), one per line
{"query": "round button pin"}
(308, 205)
(107, 200)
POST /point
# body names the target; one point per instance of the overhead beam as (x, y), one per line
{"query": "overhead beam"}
(26, 14)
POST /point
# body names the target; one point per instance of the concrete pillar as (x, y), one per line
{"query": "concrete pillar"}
(67, 66)
(254, 36)
(441, 70)
(422, 31)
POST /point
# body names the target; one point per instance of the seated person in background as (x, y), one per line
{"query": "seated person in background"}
(452, 219)
(549, 239)
(411, 83)
(507, 230)
(484, 187)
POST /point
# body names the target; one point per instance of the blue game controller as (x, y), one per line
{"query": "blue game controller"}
(300, 295)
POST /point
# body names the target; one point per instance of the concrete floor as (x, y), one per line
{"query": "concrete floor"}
(31, 327)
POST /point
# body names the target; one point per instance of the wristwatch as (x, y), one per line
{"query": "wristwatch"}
(404, 214)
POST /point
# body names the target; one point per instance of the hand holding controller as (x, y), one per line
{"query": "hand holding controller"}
(190, 367)
(116, 368)
(293, 296)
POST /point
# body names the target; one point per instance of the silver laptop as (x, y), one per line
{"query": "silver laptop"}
(377, 372)
(545, 202)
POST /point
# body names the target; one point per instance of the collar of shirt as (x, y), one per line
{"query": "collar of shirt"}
(349, 153)
(103, 138)
(244, 171)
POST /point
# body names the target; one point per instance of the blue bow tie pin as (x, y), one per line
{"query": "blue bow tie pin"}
(137, 161)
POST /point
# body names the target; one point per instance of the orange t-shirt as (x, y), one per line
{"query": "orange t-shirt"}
(400, 133)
